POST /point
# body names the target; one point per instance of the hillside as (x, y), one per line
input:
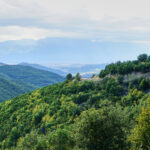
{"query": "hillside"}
(141, 65)
(17, 80)
(10, 89)
(76, 114)
(30, 75)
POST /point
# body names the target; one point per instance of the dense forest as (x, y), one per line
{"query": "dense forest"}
(109, 113)
(142, 64)
(10, 89)
(16, 80)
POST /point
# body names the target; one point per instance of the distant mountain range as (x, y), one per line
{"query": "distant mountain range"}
(37, 66)
(85, 70)
(11, 88)
(16, 79)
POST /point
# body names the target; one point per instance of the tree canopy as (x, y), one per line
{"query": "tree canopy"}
(109, 113)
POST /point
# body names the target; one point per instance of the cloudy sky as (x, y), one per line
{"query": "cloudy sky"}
(73, 31)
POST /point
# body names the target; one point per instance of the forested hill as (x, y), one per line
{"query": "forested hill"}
(142, 65)
(107, 114)
(30, 75)
(10, 89)
(15, 80)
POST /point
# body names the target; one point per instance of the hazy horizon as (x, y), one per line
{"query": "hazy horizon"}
(73, 32)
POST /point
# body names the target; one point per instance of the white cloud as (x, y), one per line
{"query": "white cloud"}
(99, 19)
(92, 9)
(19, 33)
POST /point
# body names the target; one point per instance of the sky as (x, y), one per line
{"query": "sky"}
(73, 31)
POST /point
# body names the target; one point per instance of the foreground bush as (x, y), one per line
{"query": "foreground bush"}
(140, 137)
(103, 129)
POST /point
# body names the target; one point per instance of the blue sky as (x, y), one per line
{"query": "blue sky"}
(73, 31)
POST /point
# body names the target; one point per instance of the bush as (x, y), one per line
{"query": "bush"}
(101, 129)
(140, 137)
(143, 57)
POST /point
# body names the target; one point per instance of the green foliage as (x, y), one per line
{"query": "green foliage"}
(78, 77)
(74, 114)
(10, 89)
(122, 68)
(142, 84)
(69, 76)
(101, 129)
(61, 140)
(140, 137)
(120, 79)
(132, 98)
(112, 88)
(143, 57)
(33, 141)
